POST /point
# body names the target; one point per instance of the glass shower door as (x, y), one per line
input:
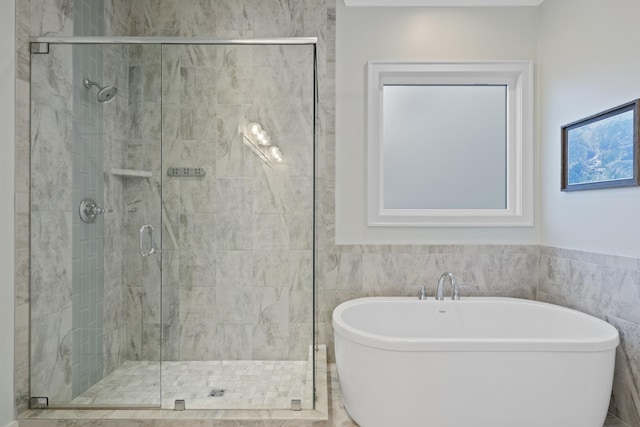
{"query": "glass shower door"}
(238, 150)
(96, 226)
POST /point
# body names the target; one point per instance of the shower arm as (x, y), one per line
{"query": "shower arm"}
(88, 83)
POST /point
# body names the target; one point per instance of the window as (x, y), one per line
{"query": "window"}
(450, 144)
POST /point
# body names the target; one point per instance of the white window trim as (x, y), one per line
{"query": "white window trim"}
(441, 3)
(518, 77)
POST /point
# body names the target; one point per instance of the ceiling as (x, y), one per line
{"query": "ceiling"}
(442, 3)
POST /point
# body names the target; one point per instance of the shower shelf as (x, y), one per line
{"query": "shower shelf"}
(131, 173)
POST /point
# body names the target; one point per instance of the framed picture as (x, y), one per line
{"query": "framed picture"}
(601, 151)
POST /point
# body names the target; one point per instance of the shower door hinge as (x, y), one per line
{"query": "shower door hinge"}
(39, 403)
(296, 405)
(179, 405)
(39, 47)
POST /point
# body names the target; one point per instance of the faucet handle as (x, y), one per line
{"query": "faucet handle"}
(423, 292)
(456, 293)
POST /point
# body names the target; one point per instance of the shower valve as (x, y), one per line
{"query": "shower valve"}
(89, 210)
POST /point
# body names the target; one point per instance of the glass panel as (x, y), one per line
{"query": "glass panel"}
(131, 143)
(238, 247)
(445, 146)
(95, 181)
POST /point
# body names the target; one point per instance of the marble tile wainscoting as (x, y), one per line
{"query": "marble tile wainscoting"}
(607, 287)
(360, 271)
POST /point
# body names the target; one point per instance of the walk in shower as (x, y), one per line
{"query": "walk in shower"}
(172, 223)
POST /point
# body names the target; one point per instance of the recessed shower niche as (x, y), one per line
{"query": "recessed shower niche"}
(151, 285)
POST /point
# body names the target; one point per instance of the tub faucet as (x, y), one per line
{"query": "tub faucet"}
(439, 289)
(456, 291)
(423, 292)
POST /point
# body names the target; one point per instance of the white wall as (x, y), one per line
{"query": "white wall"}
(408, 33)
(589, 62)
(7, 114)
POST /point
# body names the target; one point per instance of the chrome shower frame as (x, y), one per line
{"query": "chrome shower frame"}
(40, 45)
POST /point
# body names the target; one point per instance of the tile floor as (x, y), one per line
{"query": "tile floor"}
(111, 417)
(246, 385)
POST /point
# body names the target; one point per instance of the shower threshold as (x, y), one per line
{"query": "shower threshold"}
(247, 384)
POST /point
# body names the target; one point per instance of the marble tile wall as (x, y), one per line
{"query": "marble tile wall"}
(46, 18)
(117, 326)
(607, 287)
(357, 271)
(87, 293)
(117, 17)
(87, 239)
(73, 355)
(22, 217)
(51, 224)
(142, 204)
(117, 323)
(238, 241)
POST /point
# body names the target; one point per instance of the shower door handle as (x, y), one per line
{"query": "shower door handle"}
(152, 248)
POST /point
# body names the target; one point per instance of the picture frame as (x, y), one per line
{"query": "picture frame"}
(601, 151)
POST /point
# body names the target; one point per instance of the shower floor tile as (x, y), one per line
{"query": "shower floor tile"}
(246, 385)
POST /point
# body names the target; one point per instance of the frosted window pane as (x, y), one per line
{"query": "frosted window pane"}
(444, 147)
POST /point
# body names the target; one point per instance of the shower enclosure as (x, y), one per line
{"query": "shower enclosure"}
(172, 223)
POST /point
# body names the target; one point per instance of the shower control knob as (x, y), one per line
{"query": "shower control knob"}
(89, 210)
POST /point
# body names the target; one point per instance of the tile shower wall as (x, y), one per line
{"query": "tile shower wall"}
(49, 20)
(237, 242)
(87, 295)
(22, 207)
(67, 325)
(607, 287)
(51, 224)
(142, 205)
(87, 239)
(116, 324)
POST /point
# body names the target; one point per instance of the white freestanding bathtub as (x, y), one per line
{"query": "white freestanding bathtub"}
(478, 362)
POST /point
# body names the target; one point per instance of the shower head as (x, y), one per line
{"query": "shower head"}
(105, 94)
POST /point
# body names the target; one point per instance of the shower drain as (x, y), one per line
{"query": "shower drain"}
(217, 392)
